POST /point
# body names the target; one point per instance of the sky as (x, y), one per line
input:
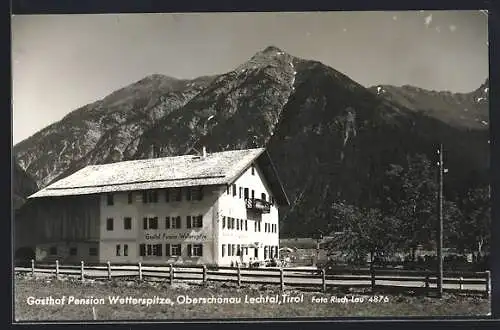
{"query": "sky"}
(63, 62)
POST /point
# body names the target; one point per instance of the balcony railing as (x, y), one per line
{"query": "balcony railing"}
(259, 205)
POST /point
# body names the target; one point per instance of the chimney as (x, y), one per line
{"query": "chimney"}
(204, 154)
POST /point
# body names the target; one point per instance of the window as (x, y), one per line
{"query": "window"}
(194, 193)
(150, 223)
(176, 249)
(197, 221)
(223, 222)
(110, 199)
(127, 223)
(241, 224)
(109, 224)
(263, 196)
(246, 225)
(178, 194)
(234, 190)
(125, 250)
(241, 192)
(223, 250)
(167, 222)
(233, 248)
(255, 225)
(157, 250)
(176, 222)
(142, 250)
(230, 249)
(130, 197)
(195, 250)
(253, 170)
(253, 194)
(167, 250)
(53, 250)
(150, 196)
(118, 247)
(167, 195)
(265, 252)
(237, 224)
(92, 251)
(232, 223)
(72, 251)
(188, 221)
(153, 223)
(258, 226)
(238, 250)
(246, 193)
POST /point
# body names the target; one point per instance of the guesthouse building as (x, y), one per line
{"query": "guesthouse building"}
(216, 209)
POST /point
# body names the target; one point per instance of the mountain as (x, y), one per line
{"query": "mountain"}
(328, 136)
(105, 130)
(23, 186)
(462, 110)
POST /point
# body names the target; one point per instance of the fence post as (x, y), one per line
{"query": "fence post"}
(204, 274)
(282, 280)
(372, 274)
(488, 284)
(57, 269)
(461, 283)
(82, 274)
(109, 270)
(239, 274)
(140, 271)
(32, 267)
(323, 277)
(171, 274)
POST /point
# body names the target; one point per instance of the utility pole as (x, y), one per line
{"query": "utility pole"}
(440, 223)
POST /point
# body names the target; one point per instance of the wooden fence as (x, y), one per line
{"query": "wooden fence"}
(473, 282)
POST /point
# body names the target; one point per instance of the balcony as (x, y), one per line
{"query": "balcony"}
(258, 205)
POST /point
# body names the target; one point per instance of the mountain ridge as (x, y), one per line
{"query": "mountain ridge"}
(328, 135)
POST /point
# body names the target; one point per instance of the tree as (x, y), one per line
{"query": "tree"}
(366, 231)
(474, 232)
(410, 194)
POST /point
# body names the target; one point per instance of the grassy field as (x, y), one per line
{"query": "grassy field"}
(379, 305)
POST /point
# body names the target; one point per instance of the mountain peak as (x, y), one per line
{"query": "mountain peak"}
(272, 49)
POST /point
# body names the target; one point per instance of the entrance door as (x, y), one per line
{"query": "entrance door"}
(256, 252)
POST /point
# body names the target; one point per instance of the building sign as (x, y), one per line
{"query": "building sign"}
(189, 236)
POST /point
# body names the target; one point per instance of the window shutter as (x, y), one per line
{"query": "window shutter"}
(159, 250)
(178, 222)
(167, 222)
(188, 221)
(201, 250)
(189, 250)
(246, 224)
(200, 221)
(142, 250)
(145, 223)
(223, 222)
(188, 193)
(167, 250)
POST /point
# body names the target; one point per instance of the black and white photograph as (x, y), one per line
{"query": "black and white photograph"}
(250, 166)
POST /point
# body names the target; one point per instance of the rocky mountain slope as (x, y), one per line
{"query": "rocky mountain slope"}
(328, 136)
(462, 110)
(23, 186)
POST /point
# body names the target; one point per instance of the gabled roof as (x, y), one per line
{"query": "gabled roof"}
(169, 172)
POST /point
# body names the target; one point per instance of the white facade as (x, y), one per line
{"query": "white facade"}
(132, 231)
